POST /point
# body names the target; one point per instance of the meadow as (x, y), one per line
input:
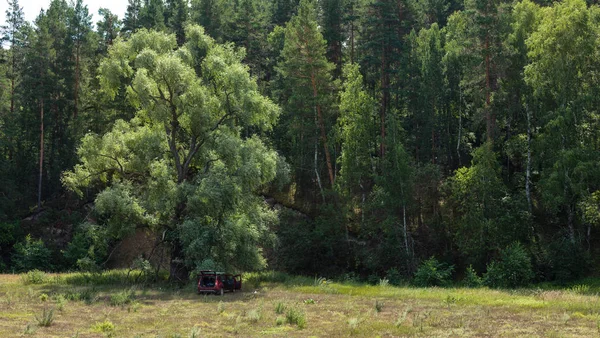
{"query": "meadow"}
(119, 303)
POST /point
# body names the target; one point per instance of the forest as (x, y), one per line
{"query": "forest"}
(425, 140)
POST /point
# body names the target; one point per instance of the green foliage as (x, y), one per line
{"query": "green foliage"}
(280, 308)
(200, 189)
(512, 269)
(34, 277)
(471, 279)
(106, 327)
(394, 277)
(431, 272)
(122, 298)
(294, 316)
(489, 219)
(566, 261)
(31, 254)
(88, 247)
(46, 318)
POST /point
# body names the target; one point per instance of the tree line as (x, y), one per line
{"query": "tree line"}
(381, 133)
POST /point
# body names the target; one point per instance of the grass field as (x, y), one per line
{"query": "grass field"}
(114, 305)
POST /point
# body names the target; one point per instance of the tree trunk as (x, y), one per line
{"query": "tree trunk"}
(77, 49)
(459, 125)
(488, 115)
(39, 204)
(384, 99)
(317, 171)
(528, 169)
(321, 124)
(178, 271)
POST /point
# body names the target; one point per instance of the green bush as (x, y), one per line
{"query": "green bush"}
(295, 316)
(46, 318)
(88, 247)
(433, 273)
(472, 280)
(394, 276)
(122, 298)
(513, 269)
(34, 277)
(567, 260)
(31, 254)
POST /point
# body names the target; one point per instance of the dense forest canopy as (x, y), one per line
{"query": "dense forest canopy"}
(357, 137)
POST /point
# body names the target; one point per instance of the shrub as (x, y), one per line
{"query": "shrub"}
(295, 316)
(195, 332)
(378, 306)
(513, 269)
(353, 323)
(60, 302)
(46, 318)
(254, 315)
(34, 277)
(88, 247)
(394, 276)
(31, 254)
(433, 273)
(279, 321)
(568, 261)
(279, 308)
(472, 280)
(122, 298)
(106, 327)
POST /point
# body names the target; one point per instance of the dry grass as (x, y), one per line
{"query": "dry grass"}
(329, 309)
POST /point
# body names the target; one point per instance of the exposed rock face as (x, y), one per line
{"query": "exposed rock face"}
(143, 243)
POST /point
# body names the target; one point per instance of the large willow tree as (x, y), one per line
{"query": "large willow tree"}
(190, 162)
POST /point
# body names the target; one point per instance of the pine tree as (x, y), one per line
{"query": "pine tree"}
(176, 15)
(108, 28)
(13, 33)
(307, 73)
(131, 21)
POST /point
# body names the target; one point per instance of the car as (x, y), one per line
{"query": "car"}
(218, 282)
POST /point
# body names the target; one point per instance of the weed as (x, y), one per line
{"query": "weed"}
(9, 299)
(309, 301)
(384, 282)
(353, 323)
(134, 307)
(565, 318)
(34, 277)
(295, 316)
(89, 296)
(319, 281)
(402, 317)
(280, 308)
(194, 332)
(60, 302)
(221, 307)
(378, 306)
(46, 318)
(450, 300)
(43, 298)
(254, 315)
(29, 329)
(581, 289)
(281, 320)
(106, 327)
(122, 298)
